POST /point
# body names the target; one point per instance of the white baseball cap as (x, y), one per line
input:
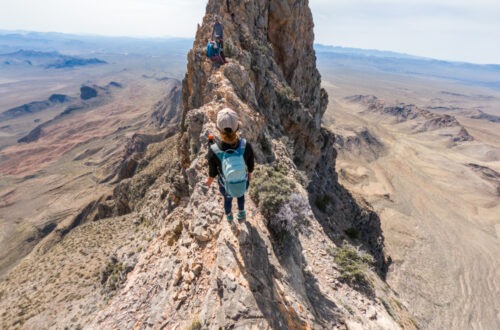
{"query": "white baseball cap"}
(227, 118)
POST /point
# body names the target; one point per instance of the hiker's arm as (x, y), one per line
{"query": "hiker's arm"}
(249, 158)
(212, 167)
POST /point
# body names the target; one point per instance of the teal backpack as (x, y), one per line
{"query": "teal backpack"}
(234, 170)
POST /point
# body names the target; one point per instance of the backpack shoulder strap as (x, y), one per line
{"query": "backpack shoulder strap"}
(217, 150)
(242, 145)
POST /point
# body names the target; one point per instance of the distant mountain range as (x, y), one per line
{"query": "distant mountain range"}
(11, 41)
(331, 57)
(45, 59)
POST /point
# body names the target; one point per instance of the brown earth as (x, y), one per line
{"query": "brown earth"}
(439, 213)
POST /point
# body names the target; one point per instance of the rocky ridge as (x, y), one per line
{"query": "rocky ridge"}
(202, 272)
(423, 120)
(278, 270)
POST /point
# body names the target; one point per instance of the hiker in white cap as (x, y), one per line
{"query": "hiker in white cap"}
(232, 159)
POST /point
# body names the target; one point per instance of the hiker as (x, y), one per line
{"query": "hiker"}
(231, 159)
(228, 3)
(214, 52)
(219, 42)
(218, 32)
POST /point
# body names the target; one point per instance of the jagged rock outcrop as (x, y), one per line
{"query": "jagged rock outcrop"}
(424, 120)
(202, 272)
(359, 142)
(169, 110)
(87, 92)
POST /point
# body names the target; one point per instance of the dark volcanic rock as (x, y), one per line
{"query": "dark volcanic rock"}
(59, 98)
(488, 117)
(115, 84)
(32, 136)
(87, 92)
(33, 107)
(25, 109)
(70, 62)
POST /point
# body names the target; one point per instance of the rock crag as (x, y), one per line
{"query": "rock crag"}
(309, 256)
(201, 271)
(424, 120)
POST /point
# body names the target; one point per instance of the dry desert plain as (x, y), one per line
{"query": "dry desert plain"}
(49, 180)
(439, 200)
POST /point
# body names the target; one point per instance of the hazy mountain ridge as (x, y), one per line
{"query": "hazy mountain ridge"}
(81, 44)
(47, 60)
(487, 75)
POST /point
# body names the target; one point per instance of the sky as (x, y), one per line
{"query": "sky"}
(459, 30)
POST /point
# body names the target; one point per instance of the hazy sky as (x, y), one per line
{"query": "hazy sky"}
(463, 30)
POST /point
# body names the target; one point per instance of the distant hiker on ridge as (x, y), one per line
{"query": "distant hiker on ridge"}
(214, 52)
(218, 32)
(231, 159)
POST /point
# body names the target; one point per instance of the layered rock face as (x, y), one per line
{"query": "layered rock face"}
(202, 272)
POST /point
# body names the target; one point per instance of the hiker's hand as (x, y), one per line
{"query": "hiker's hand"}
(209, 181)
(249, 176)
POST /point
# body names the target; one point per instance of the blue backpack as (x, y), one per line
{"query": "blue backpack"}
(212, 51)
(234, 170)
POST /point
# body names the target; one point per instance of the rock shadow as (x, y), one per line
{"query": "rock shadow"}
(288, 250)
(343, 219)
(260, 275)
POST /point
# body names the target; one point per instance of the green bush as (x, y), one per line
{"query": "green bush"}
(270, 189)
(229, 49)
(114, 274)
(353, 265)
(196, 325)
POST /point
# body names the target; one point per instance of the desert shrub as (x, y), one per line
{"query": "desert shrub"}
(292, 214)
(353, 266)
(270, 190)
(229, 49)
(265, 144)
(256, 69)
(114, 274)
(285, 96)
(195, 325)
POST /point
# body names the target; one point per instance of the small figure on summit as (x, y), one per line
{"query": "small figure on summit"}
(218, 32)
(233, 161)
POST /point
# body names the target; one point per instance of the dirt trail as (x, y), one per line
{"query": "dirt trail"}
(440, 221)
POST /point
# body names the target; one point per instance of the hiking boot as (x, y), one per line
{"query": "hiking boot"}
(242, 215)
(229, 217)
